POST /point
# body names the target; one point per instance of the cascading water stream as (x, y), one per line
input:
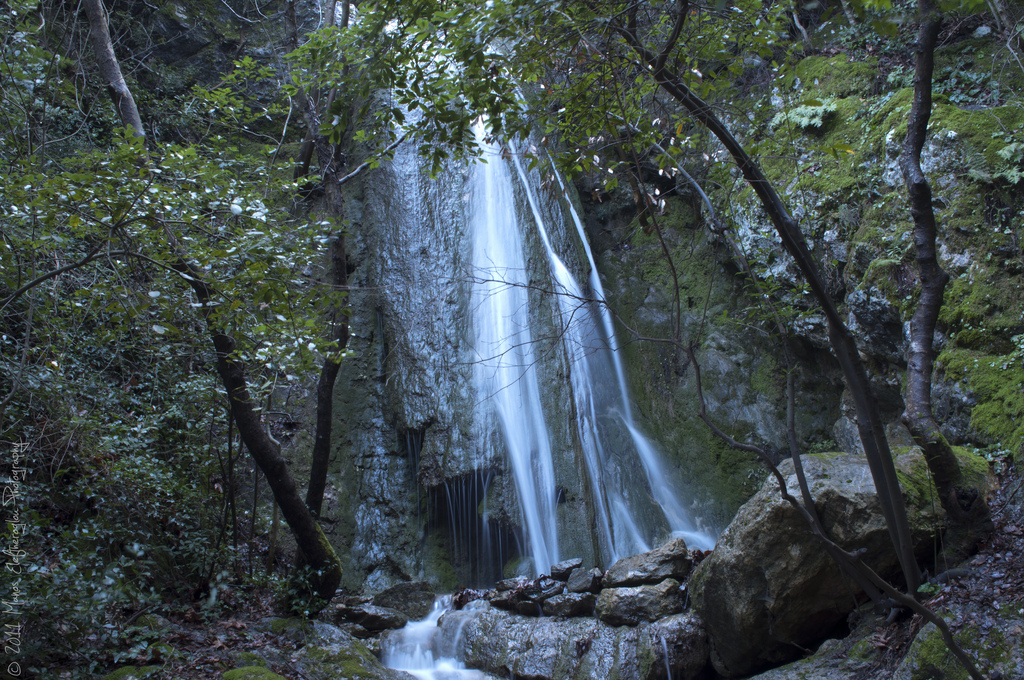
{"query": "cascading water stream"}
(504, 371)
(416, 649)
(618, 498)
(618, 529)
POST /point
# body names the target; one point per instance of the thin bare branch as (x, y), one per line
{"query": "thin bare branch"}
(94, 254)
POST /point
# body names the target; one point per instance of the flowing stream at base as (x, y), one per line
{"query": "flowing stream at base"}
(418, 650)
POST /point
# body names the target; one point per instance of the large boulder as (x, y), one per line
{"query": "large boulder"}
(769, 589)
(671, 560)
(325, 651)
(341, 656)
(526, 597)
(570, 604)
(632, 606)
(371, 617)
(507, 644)
(415, 599)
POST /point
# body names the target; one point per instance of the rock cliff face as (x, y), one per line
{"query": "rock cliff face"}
(421, 481)
(842, 182)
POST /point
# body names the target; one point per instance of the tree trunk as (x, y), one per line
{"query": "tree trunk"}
(331, 160)
(869, 421)
(315, 548)
(109, 67)
(325, 386)
(965, 507)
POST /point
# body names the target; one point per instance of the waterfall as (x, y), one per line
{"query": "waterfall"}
(665, 492)
(505, 363)
(634, 501)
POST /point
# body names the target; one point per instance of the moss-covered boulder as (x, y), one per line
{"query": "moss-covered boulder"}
(252, 673)
(346, 658)
(998, 649)
(770, 589)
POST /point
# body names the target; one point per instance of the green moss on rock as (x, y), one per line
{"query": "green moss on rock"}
(998, 383)
(349, 660)
(838, 75)
(250, 659)
(985, 132)
(291, 626)
(252, 673)
(930, 659)
(916, 480)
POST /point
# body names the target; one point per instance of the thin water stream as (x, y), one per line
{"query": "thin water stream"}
(417, 650)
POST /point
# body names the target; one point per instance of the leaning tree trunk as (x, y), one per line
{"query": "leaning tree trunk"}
(315, 549)
(109, 67)
(966, 510)
(869, 420)
(309, 537)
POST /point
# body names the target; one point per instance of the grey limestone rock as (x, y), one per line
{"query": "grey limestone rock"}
(562, 570)
(770, 586)
(634, 605)
(578, 648)
(371, 617)
(570, 604)
(671, 560)
(415, 599)
(585, 580)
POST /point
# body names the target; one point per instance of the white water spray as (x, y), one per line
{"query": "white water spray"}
(416, 649)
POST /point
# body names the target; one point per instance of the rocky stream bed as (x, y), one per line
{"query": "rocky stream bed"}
(765, 597)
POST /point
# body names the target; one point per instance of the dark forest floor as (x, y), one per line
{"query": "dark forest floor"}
(984, 605)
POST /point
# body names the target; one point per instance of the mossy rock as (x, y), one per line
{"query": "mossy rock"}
(998, 384)
(350, 659)
(930, 659)
(919, 488)
(295, 629)
(133, 673)
(838, 75)
(250, 659)
(252, 673)
(437, 564)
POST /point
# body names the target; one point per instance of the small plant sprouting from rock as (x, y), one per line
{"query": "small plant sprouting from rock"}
(809, 116)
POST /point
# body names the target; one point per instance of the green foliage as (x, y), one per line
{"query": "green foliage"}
(109, 381)
(810, 115)
(1013, 154)
(298, 595)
